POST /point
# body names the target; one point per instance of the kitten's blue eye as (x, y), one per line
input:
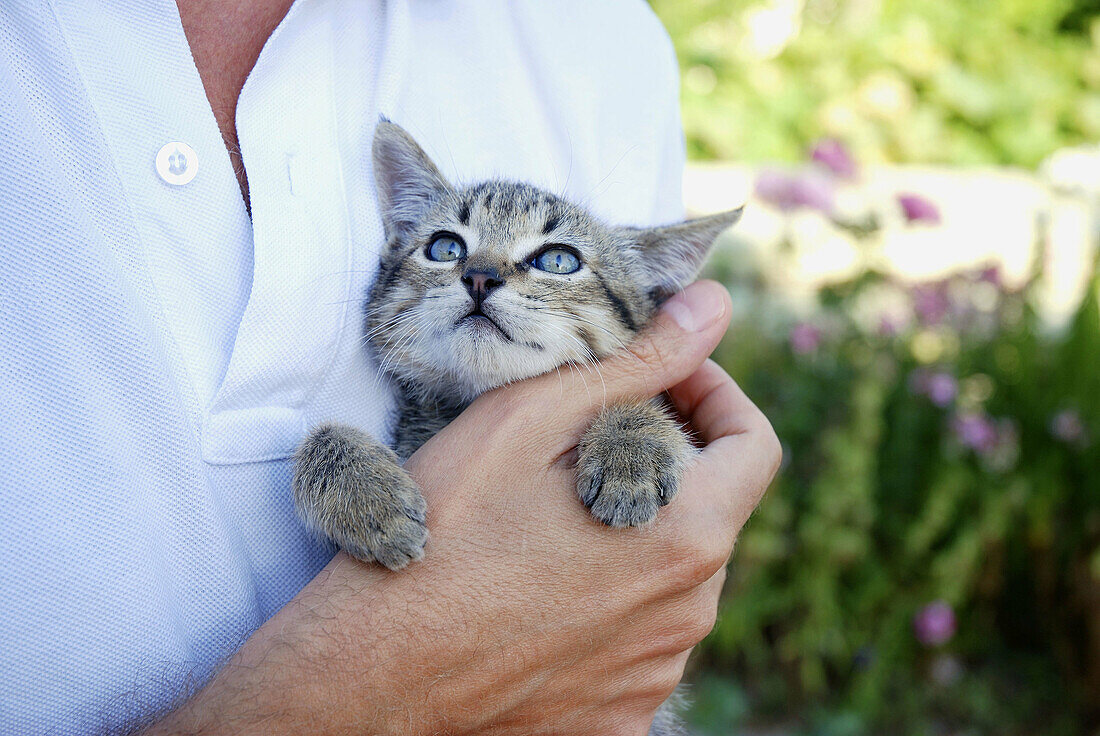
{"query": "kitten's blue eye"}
(557, 260)
(446, 248)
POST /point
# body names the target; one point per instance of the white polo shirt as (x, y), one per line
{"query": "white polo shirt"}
(162, 353)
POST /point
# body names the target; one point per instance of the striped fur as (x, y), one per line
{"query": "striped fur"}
(352, 490)
(414, 316)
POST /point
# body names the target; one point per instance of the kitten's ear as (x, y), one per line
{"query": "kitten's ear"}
(670, 257)
(407, 180)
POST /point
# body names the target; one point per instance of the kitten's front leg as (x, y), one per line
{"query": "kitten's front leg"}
(630, 462)
(352, 489)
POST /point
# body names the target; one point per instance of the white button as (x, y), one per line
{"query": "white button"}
(177, 163)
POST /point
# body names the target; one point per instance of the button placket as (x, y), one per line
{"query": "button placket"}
(301, 242)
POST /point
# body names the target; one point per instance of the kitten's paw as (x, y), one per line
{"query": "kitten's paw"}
(353, 490)
(630, 462)
(386, 522)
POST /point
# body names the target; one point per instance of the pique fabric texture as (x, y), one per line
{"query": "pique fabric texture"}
(162, 352)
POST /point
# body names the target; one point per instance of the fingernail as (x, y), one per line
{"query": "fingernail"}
(695, 308)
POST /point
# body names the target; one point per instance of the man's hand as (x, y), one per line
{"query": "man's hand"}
(526, 616)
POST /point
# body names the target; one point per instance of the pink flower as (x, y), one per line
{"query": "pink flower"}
(995, 441)
(931, 303)
(889, 326)
(976, 431)
(991, 275)
(789, 192)
(834, 156)
(918, 209)
(805, 338)
(934, 624)
(941, 389)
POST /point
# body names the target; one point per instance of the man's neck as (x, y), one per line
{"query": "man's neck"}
(226, 37)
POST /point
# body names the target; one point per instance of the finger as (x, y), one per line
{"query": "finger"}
(708, 596)
(684, 332)
(717, 581)
(714, 403)
(725, 481)
(742, 453)
(704, 599)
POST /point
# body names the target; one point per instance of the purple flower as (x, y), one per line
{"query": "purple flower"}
(931, 303)
(791, 191)
(976, 431)
(834, 156)
(917, 209)
(889, 326)
(934, 624)
(996, 441)
(991, 275)
(805, 338)
(1067, 427)
(941, 389)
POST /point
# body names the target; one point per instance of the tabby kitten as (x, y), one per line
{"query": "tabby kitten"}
(479, 286)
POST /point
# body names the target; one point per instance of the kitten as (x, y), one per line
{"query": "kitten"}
(479, 286)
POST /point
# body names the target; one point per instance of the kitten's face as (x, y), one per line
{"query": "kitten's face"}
(488, 284)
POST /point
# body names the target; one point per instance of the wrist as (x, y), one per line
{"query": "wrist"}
(309, 669)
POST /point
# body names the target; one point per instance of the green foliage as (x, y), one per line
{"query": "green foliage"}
(965, 81)
(982, 492)
(885, 504)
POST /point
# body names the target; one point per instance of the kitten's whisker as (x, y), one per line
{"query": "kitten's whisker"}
(596, 366)
(590, 359)
(408, 336)
(395, 324)
(398, 319)
(572, 367)
(375, 313)
(587, 356)
(369, 309)
(612, 171)
(621, 345)
(341, 301)
(404, 338)
(618, 340)
(561, 330)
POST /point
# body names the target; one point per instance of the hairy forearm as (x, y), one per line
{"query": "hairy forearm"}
(348, 655)
(243, 698)
(284, 678)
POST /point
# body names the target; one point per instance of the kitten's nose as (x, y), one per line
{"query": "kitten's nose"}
(480, 283)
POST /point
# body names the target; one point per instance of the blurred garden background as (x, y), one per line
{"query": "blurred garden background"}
(916, 289)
